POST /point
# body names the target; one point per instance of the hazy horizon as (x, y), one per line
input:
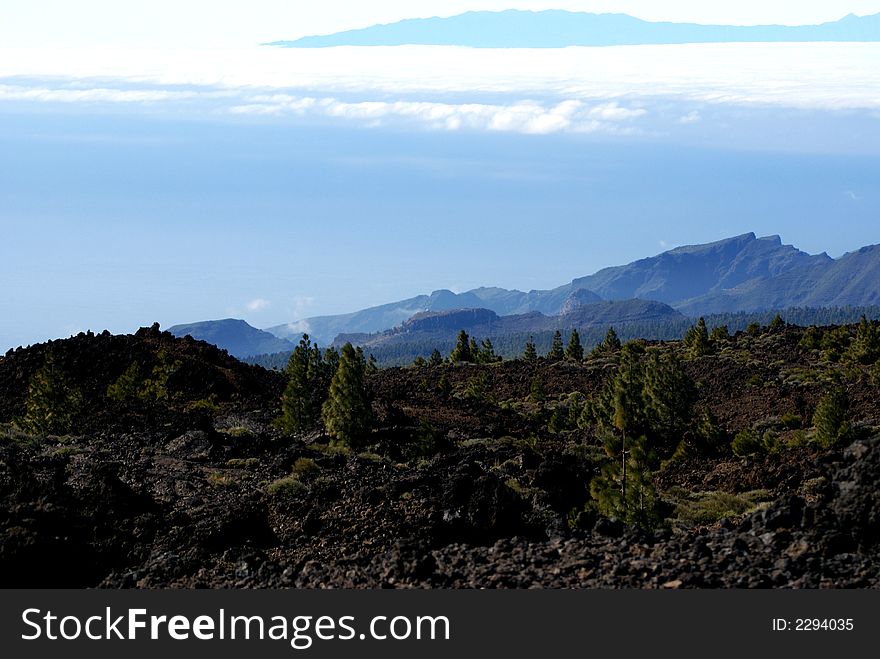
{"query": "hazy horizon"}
(175, 183)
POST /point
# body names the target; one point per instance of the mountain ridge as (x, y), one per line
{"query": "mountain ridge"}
(743, 273)
(554, 28)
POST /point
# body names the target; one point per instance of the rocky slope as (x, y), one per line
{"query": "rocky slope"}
(452, 490)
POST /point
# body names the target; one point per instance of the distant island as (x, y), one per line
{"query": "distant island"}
(559, 29)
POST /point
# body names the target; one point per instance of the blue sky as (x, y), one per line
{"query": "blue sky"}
(191, 182)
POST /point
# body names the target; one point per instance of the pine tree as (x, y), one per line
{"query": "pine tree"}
(127, 385)
(462, 350)
(720, 334)
(610, 344)
(436, 358)
(474, 347)
(300, 411)
(865, 348)
(530, 354)
(777, 323)
(575, 351)
(346, 412)
(487, 353)
(669, 395)
(831, 417)
(556, 354)
(697, 339)
(53, 404)
(536, 390)
(625, 489)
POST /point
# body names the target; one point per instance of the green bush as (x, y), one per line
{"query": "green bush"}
(749, 442)
(702, 508)
(242, 463)
(305, 468)
(287, 487)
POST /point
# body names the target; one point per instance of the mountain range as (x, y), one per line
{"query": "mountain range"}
(740, 274)
(559, 29)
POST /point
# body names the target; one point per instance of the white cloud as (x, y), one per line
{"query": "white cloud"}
(691, 117)
(616, 90)
(95, 95)
(258, 304)
(528, 117)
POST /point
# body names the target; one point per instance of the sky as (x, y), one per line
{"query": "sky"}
(157, 164)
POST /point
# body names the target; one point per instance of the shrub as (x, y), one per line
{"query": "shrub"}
(426, 443)
(701, 508)
(242, 463)
(791, 421)
(478, 388)
(287, 487)
(238, 432)
(746, 443)
(206, 404)
(219, 479)
(305, 468)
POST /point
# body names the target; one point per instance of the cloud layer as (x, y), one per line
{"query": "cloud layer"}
(585, 90)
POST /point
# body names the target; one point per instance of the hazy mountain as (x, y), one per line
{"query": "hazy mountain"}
(744, 273)
(443, 326)
(375, 319)
(235, 336)
(558, 29)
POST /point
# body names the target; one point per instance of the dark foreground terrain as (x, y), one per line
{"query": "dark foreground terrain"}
(473, 475)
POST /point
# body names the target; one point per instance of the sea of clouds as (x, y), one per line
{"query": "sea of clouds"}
(616, 90)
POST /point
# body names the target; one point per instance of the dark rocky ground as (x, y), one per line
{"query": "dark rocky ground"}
(177, 492)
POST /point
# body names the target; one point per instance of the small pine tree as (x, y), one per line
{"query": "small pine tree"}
(462, 350)
(487, 353)
(372, 367)
(419, 362)
(625, 489)
(53, 404)
(697, 339)
(669, 394)
(575, 351)
(831, 418)
(444, 387)
(476, 357)
(300, 408)
(536, 390)
(127, 385)
(777, 323)
(610, 344)
(530, 354)
(557, 353)
(865, 348)
(346, 412)
(720, 334)
(436, 358)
